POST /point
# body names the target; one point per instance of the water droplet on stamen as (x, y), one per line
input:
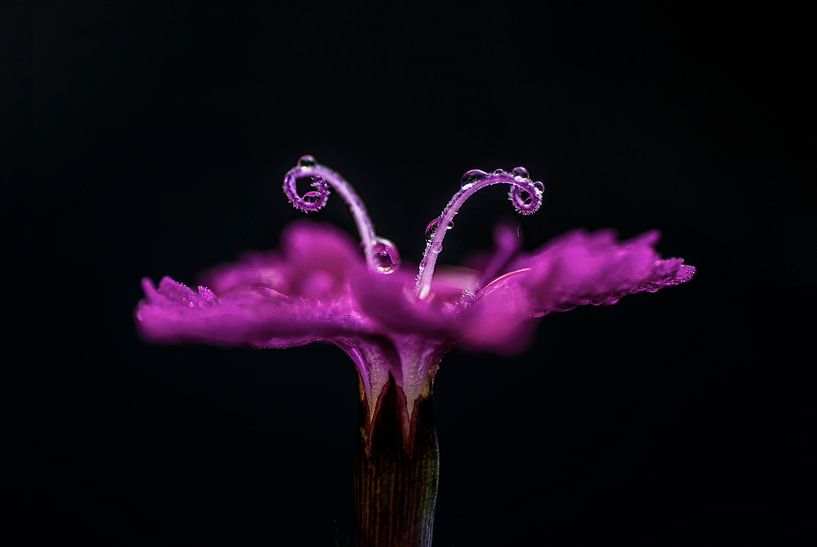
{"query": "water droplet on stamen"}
(472, 176)
(306, 161)
(521, 172)
(539, 185)
(312, 197)
(499, 171)
(386, 257)
(432, 227)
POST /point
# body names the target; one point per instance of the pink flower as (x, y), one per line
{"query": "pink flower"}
(393, 323)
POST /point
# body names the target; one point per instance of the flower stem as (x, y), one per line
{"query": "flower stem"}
(396, 474)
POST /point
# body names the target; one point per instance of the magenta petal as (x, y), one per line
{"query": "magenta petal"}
(390, 300)
(256, 316)
(316, 261)
(581, 268)
(501, 318)
(573, 270)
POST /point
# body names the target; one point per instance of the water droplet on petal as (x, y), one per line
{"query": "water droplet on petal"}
(521, 172)
(432, 226)
(499, 171)
(307, 161)
(539, 185)
(472, 176)
(386, 257)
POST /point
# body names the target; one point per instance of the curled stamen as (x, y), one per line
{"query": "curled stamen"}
(525, 195)
(314, 200)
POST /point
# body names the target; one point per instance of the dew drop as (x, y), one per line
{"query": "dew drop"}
(432, 226)
(307, 161)
(386, 257)
(539, 185)
(312, 197)
(521, 172)
(472, 176)
(467, 298)
(499, 172)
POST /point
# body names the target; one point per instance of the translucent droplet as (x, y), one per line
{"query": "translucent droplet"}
(467, 298)
(312, 197)
(307, 161)
(521, 172)
(386, 257)
(432, 226)
(472, 176)
(499, 171)
(539, 185)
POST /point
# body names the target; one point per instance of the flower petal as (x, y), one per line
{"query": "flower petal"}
(501, 319)
(258, 316)
(390, 300)
(576, 269)
(317, 261)
(594, 268)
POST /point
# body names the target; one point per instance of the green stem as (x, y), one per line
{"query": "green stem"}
(396, 473)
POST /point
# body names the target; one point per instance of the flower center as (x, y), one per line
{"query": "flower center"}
(525, 195)
(381, 254)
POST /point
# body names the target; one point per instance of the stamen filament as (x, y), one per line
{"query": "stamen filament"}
(525, 195)
(381, 254)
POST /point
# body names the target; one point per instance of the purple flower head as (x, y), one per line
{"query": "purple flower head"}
(394, 323)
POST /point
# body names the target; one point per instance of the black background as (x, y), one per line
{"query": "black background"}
(153, 141)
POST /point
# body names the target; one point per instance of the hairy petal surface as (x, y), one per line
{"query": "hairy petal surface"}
(285, 299)
(576, 269)
(594, 268)
(258, 316)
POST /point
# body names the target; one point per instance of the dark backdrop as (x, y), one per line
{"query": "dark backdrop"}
(153, 141)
